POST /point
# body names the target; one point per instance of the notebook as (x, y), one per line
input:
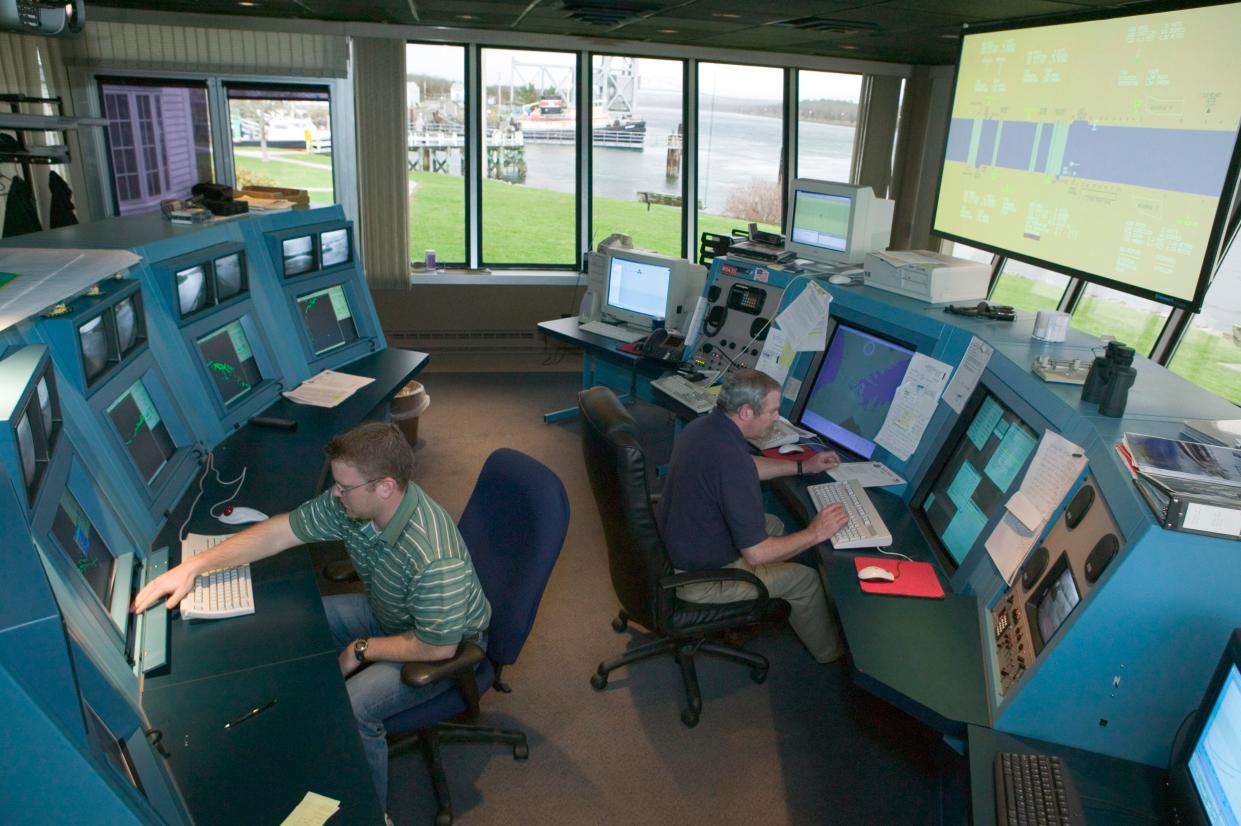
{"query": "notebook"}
(913, 579)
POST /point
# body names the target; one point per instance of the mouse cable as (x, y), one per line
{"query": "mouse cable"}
(209, 467)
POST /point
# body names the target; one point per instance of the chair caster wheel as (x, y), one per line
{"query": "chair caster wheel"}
(521, 751)
(443, 819)
(758, 675)
(689, 718)
(598, 682)
(620, 625)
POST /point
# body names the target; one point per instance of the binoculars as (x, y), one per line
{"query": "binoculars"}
(1110, 377)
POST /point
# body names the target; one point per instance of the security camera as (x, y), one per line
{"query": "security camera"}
(50, 18)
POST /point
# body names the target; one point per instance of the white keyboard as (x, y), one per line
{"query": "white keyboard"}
(780, 433)
(696, 397)
(612, 331)
(219, 594)
(865, 528)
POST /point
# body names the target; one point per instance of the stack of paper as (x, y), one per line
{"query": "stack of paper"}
(327, 389)
(1185, 460)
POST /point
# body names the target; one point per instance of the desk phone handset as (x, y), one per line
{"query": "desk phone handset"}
(663, 345)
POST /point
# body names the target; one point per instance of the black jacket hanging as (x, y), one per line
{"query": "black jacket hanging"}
(21, 215)
(62, 214)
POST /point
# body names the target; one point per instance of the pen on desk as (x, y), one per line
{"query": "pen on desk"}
(254, 712)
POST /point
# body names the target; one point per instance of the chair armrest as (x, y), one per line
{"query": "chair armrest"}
(468, 656)
(713, 575)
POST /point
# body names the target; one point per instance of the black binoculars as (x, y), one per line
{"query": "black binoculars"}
(1111, 375)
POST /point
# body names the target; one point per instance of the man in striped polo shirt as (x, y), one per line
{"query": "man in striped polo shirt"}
(422, 597)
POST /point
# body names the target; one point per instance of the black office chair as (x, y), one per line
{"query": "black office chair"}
(514, 526)
(642, 575)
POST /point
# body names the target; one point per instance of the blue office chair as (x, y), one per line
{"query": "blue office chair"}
(514, 526)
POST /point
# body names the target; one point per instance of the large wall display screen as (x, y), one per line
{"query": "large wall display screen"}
(1104, 148)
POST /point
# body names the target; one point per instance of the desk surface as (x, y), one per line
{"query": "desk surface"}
(924, 652)
(258, 771)
(1113, 792)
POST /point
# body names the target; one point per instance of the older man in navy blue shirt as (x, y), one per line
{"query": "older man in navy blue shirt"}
(711, 512)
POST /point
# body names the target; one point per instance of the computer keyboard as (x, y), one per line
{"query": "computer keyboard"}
(696, 397)
(780, 433)
(612, 331)
(219, 594)
(1034, 789)
(865, 528)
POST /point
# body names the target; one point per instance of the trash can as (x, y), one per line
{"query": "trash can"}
(410, 402)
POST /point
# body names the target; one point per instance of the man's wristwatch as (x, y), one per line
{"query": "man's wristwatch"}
(359, 650)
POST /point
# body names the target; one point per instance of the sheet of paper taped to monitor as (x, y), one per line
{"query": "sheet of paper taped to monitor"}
(928, 276)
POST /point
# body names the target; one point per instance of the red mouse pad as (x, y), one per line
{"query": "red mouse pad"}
(913, 579)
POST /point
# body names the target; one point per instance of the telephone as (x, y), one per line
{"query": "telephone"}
(663, 345)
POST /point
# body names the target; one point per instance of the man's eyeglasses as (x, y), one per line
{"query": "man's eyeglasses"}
(341, 491)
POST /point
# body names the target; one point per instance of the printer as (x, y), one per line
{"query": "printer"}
(928, 276)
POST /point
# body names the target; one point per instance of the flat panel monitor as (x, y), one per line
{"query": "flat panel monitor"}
(230, 276)
(97, 347)
(850, 386)
(637, 289)
(328, 319)
(334, 247)
(1105, 148)
(836, 223)
(192, 289)
(230, 361)
(973, 474)
(78, 539)
(1205, 775)
(142, 431)
(298, 255)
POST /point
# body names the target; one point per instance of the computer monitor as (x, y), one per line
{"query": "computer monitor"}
(229, 359)
(298, 255)
(128, 315)
(972, 475)
(836, 223)
(89, 554)
(637, 290)
(94, 343)
(192, 289)
(230, 276)
(334, 247)
(24, 432)
(327, 318)
(1204, 781)
(850, 386)
(142, 431)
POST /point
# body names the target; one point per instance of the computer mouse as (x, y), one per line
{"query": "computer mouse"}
(240, 516)
(873, 573)
(793, 448)
(840, 278)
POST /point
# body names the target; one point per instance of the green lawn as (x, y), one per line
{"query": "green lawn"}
(290, 168)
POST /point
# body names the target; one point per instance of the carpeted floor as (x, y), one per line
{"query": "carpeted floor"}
(806, 747)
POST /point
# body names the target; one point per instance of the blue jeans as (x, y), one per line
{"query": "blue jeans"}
(376, 692)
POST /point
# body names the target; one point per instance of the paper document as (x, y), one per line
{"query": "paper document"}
(969, 371)
(777, 356)
(327, 389)
(1199, 517)
(804, 321)
(870, 474)
(1009, 544)
(36, 280)
(314, 810)
(913, 405)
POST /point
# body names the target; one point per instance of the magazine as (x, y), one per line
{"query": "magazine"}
(1185, 460)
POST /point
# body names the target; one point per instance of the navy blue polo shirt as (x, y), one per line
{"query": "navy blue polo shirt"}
(712, 505)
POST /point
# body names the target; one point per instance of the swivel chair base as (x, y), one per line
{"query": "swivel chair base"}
(430, 739)
(683, 650)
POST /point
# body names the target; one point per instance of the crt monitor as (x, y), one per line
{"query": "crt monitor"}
(89, 554)
(142, 431)
(128, 315)
(230, 276)
(973, 474)
(230, 361)
(298, 255)
(35, 428)
(850, 386)
(327, 318)
(836, 223)
(192, 289)
(334, 247)
(1204, 780)
(94, 341)
(637, 289)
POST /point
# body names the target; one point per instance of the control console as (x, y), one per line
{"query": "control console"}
(741, 303)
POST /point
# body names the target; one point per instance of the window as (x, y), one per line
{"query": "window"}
(636, 153)
(282, 136)
(740, 140)
(1028, 287)
(1127, 318)
(1210, 352)
(436, 95)
(529, 199)
(827, 114)
(159, 140)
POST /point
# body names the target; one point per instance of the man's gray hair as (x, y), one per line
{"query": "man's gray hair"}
(744, 387)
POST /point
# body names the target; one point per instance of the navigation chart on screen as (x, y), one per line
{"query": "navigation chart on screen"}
(856, 383)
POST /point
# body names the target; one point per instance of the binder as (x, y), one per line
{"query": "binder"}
(1193, 507)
